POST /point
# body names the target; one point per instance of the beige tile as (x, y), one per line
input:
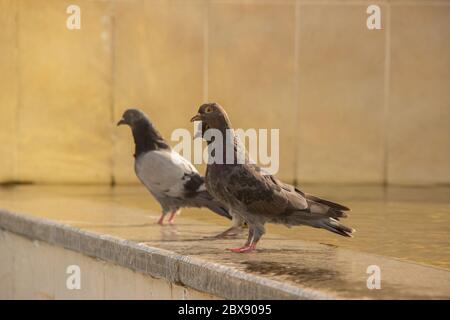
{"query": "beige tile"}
(341, 96)
(65, 104)
(120, 282)
(43, 258)
(251, 69)
(158, 68)
(32, 265)
(143, 287)
(91, 272)
(6, 267)
(185, 293)
(419, 115)
(197, 295)
(8, 87)
(178, 292)
(148, 288)
(22, 268)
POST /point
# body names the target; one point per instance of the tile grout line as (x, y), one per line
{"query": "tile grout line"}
(387, 74)
(205, 51)
(16, 125)
(112, 29)
(296, 89)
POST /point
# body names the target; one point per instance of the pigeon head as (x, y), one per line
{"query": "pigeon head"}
(133, 117)
(212, 116)
(146, 137)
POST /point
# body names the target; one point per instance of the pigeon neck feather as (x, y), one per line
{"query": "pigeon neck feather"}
(229, 151)
(147, 138)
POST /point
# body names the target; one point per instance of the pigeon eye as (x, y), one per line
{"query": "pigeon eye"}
(208, 109)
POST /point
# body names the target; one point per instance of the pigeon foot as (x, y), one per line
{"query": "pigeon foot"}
(161, 220)
(172, 217)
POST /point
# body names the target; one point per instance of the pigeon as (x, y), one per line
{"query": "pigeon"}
(172, 180)
(258, 197)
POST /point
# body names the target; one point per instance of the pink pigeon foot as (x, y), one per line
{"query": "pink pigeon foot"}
(172, 217)
(244, 249)
(161, 220)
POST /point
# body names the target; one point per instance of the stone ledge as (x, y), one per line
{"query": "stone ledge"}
(95, 222)
(216, 279)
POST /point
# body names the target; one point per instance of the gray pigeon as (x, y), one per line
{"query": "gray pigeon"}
(169, 177)
(256, 197)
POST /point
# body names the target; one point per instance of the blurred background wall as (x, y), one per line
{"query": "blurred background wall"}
(353, 105)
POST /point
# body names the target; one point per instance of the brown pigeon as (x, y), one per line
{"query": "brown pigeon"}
(257, 197)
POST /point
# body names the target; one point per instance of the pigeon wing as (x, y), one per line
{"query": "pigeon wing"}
(165, 172)
(263, 194)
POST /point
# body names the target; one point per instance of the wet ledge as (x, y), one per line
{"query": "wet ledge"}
(299, 271)
(212, 278)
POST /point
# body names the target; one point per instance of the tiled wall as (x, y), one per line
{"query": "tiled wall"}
(353, 105)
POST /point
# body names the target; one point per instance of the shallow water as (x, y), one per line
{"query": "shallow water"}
(406, 223)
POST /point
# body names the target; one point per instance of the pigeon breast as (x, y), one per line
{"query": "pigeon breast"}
(167, 174)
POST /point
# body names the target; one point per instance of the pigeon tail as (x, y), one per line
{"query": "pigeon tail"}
(204, 199)
(219, 209)
(326, 208)
(316, 221)
(333, 205)
(335, 226)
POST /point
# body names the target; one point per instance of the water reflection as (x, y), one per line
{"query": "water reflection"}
(405, 223)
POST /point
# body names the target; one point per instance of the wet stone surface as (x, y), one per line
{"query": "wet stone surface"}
(410, 245)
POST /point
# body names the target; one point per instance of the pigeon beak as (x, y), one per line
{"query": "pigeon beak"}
(197, 117)
(121, 121)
